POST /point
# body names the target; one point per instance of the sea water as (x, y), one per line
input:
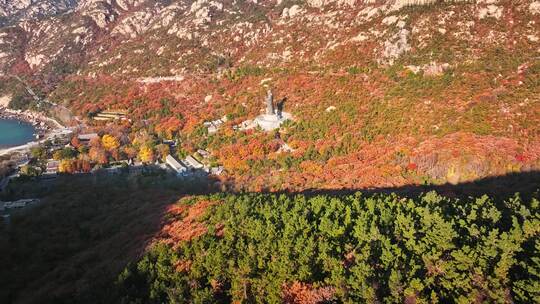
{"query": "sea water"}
(15, 133)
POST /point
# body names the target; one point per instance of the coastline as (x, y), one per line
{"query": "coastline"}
(36, 119)
(46, 128)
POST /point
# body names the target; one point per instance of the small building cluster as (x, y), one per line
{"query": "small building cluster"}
(179, 168)
(203, 153)
(213, 126)
(190, 164)
(52, 168)
(111, 115)
(49, 166)
(86, 138)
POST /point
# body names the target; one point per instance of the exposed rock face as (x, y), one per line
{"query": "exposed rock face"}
(396, 45)
(135, 24)
(16, 10)
(202, 9)
(292, 11)
(34, 60)
(286, 34)
(127, 4)
(534, 8)
(432, 69)
(101, 12)
(5, 100)
(491, 10)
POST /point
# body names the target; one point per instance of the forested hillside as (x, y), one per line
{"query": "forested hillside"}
(348, 249)
(382, 93)
(118, 240)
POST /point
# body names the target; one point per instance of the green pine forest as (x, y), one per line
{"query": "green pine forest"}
(380, 248)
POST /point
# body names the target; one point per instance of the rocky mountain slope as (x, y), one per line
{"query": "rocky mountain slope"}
(110, 34)
(415, 90)
(19, 10)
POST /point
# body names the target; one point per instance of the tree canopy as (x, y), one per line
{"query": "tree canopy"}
(347, 249)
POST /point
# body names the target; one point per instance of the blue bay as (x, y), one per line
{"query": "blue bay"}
(15, 133)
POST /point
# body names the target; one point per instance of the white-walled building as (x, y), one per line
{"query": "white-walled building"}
(176, 165)
(193, 163)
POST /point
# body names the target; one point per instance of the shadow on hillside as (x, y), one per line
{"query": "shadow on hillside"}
(87, 229)
(498, 187)
(71, 246)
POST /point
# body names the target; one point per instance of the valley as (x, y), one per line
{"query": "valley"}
(271, 151)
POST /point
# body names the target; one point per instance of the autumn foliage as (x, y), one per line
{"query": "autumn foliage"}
(109, 142)
(299, 293)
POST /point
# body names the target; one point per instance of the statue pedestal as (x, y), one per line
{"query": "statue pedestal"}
(269, 122)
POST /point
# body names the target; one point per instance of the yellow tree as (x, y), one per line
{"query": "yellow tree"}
(110, 142)
(66, 166)
(57, 155)
(163, 150)
(146, 154)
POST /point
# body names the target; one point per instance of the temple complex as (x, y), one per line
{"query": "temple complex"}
(274, 116)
